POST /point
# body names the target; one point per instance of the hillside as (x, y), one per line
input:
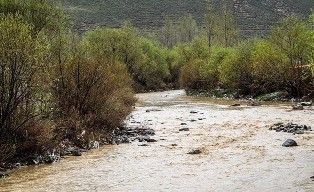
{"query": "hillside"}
(253, 16)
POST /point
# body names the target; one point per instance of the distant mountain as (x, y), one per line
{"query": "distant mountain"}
(254, 17)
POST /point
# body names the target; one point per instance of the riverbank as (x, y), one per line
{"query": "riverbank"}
(239, 152)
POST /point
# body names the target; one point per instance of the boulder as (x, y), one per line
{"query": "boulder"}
(290, 143)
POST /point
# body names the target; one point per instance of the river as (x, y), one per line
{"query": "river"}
(239, 153)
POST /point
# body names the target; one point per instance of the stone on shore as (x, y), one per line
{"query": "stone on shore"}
(184, 129)
(290, 143)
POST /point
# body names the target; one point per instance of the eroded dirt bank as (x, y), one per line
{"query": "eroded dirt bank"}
(239, 153)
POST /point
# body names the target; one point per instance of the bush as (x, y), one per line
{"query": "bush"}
(192, 78)
(235, 71)
(91, 95)
(269, 65)
(144, 59)
(21, 72)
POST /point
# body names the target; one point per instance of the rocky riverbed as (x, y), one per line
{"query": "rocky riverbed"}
(199, 144)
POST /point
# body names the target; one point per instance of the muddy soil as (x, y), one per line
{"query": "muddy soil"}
(238, 152)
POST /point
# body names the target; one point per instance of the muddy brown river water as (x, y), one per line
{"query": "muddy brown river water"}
(239, 153)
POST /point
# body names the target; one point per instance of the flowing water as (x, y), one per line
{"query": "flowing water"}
(239, 153)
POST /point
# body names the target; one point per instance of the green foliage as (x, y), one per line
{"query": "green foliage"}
(20, 85)
(144, 59)
(294, 39)
(154, 70)
(182, 31)
(42, 14)
(93, 95)
(185, 53)
(199, 75)
(270, 69)
(235, 70)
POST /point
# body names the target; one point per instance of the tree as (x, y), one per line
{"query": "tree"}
(293, 37)
(154, 71)
(269, 67)
(21, 72)
(187, 28)
(210, 19)
(92, 94)
(229, 28)
(220, 24)
(42, 14)
(182, 31)
(235, 70)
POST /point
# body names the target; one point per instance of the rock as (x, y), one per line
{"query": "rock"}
(76, 152)
(151, 140)
(51, 158)
(151, 110)
(236, 105)
(275, 96)
(143, 145)
(174, 145)
(93, 145)
(290, 143)
(253, 102)
(2, 169)
(184, 129)
(4, 175)
(195, 152)
(298, 132)
(306, 103)
(122, 139)
(143, 138)
(297, 106)
(290, 128)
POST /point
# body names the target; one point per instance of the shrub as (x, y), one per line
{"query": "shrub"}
(21, 72)
(235, 70)
(269, 65)
(91, 95)
(193, 76)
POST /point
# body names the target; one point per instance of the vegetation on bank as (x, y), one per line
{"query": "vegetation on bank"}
(56, 85)
(53, 85)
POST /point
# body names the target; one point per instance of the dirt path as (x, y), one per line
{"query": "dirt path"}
(239, 153)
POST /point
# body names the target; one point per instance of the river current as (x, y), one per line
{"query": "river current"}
(239, 153)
